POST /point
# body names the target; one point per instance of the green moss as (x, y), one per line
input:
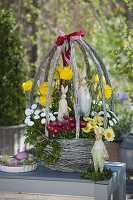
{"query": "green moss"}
(90, 174)
(48, 151)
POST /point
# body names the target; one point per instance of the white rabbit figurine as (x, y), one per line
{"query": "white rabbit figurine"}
(84, 96)
(63, 106)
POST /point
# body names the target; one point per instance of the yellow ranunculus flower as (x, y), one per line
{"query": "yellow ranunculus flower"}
(109, 134)
(27, 85)
(88, 128)
(66, 73)
(44, 88)
(42, 100)
(107, 91)
(96, 79)
(98, 120)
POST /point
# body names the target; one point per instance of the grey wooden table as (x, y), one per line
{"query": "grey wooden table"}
(46, 181)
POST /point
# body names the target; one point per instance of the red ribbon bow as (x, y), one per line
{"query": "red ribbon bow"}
(60, 40)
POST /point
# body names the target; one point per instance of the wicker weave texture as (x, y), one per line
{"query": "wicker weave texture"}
(75, 155)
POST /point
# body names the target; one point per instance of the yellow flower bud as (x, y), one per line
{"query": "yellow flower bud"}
(27, 85)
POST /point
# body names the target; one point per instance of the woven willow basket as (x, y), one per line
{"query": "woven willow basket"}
(75, 155)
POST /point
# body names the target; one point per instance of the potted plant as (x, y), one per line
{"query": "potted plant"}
(121, 130)
(12, 74)
(123, 127)
(61, 121)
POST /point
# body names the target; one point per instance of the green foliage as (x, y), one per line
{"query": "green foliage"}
(125, 124)
(12, 72)
(33, 132)
(123, 55)
(48, 151)
(90, 174)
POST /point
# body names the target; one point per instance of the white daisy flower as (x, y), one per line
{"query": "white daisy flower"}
(36, 116)
(28, 117)
(55, 113)
(28, 111)
(34, 106)
(111, 123)
(52, 118)
(37, 112)
(43, 121)
(27, 120)
(50, 114)
(30, 123)
(43, 114)
(109, 134)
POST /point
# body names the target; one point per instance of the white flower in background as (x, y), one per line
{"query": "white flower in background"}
(114, 120)
(50, 114)
(108, 115)
(111, 123)
(36, 116)
(28, 117)
(55, 113)
(43, 121)
(52, 118)
(30, 123)
(34, 106)
(43, 114)
(28, 111)
(37, 112)
(27, 120)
